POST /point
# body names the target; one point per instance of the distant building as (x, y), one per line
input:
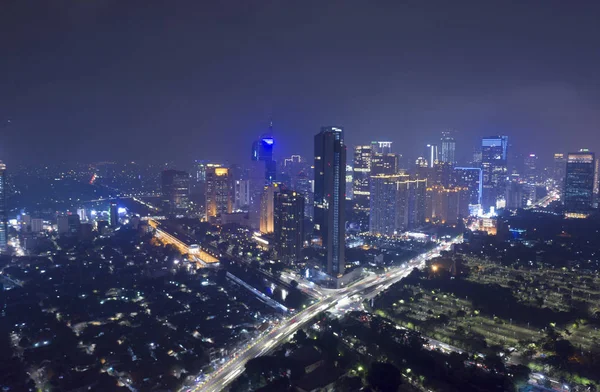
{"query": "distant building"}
(559, 169)
(3, 209)
(175, 191)
(472, 179)
(432, 154)
(386, 164)
(448, 148)
(495, 171)
(411, 207)
(579, 184)
(113, 215)
(330, 198)
(305, 186)
(288, 222)
(267, 208)
(241, 194)
(262, 150)
(381, 147)
(442, 174)
(383, 217)
(82, 214)
(447, 205)
(218, 192)
(37, 225)
(362, 174)
(68, 224)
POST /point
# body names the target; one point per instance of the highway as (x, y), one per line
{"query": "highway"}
(218, 380)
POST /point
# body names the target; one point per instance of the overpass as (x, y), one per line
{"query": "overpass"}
(200, 256)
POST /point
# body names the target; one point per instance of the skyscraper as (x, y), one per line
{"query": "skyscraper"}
(432, 154)
(579, 184)
(113, 214)
(289, 220)
(362, 173)
(384, 163)
(304, 185)
(381, 147)
(448, 148)
(218, 192)
(383, 216)
(267, 208)
(411, 202)
(3, 209)
(329, 197)
(262, 150)
(175, 190)
(559, 167)
(495, 171)
(530, 177)
(241, 192)
(472, 179)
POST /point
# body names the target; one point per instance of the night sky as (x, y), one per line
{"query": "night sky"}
(181, 80)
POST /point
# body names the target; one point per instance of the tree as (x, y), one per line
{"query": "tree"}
(300, 337)
(384, 377)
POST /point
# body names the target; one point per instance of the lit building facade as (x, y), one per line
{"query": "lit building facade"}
(447, 205)
(383, 216)
(218, 192)
(384, 163)
(241, 194)
(330, 196)
(411, 202)
(579, 183)
(470, 178)
(495, 171)
(262, 150)
(289, 221)
(447, 148)
(267, 208)
(362, 173)
(113, 214)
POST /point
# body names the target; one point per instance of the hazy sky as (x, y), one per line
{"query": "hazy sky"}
(182, 80)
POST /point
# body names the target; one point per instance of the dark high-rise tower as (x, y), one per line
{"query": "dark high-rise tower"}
(579, 183)
(175, 190)
(3, 210)
(289, 220)
(329, 197)
(495, 171)
(448, 148)
(362, 174)
(113, 214)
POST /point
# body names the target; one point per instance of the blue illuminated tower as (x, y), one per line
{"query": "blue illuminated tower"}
(262, 150)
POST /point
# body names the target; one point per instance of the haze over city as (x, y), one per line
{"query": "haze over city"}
(194, 79)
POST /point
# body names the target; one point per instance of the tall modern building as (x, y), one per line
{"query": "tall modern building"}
(432, 154)
(383, 216)
(3, 209)
(559, 167)
(289, 220)
(113, 214)
(530, 177)
(472, 179)
(495, 171)
(381, 147)
(329, 196)
(218, 192)
(241, 191)
(267, 208)
(384, 163)
(579, 183)
(305, 186)
(362, 174)
(447, 205)
(448, 148)
(411, 202)
(175, 190)
(262, 150)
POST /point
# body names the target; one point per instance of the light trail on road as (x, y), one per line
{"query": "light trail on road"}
(218, 380)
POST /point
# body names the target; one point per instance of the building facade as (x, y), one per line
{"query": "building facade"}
(330, 198)
(218, 192)
(383, 218)
(289, 225)
(447, 148)
(175, 190)
(495, 171)
(579, 183)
